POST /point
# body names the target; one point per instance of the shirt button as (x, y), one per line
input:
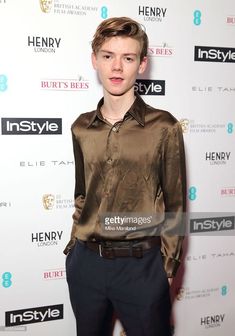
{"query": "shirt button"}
(109, 161)
(114, 129)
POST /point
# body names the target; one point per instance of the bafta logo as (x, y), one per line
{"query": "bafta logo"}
(180, 294)
(46, 5)
(184, 124)
(48, 201)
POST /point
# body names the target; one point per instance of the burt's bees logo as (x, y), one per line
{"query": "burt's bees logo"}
(46, 5)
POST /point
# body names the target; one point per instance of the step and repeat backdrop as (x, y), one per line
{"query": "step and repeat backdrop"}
(46, 81)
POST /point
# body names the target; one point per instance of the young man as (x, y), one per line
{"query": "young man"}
(126, 238)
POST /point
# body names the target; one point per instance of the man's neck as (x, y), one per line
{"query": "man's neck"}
(117, 106)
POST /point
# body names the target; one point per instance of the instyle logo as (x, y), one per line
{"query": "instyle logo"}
(163, 50)
(212, 321)
(44, 44)
(150, 87)
(214, 54)
(217, 158)
(31, 126)
(156, 14)
(212, 224)
(34, 315)
(44, 239)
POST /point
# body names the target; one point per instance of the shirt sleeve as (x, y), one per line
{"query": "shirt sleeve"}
(79, 193)
(173, 184)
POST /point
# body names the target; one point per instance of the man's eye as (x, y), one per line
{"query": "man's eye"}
(107, 57)
(129, 59)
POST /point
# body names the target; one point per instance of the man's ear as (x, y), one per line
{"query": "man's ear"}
(143, 65)
(94, 60)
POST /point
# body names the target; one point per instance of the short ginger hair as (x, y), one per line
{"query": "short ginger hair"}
(120, 26)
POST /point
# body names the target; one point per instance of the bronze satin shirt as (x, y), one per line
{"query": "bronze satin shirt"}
(135, 166)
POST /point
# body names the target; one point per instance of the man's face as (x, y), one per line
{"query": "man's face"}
(118, 63)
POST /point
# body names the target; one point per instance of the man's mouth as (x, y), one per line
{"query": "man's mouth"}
(116, 80)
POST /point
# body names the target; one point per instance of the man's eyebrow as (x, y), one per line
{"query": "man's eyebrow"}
(110, 52)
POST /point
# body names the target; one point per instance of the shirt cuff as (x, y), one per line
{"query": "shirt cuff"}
(69, 246)
(171, 266)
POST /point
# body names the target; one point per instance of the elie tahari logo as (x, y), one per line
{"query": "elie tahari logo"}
(34, 315)
(214, 54)
(26, 126)
(149, 87)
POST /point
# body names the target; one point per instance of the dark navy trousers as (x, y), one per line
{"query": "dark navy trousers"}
(136, 290)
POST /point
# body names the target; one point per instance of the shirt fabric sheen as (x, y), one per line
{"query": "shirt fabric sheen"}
(135, 167)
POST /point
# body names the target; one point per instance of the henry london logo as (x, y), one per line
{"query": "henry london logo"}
(75, 84)
(66, 7)
(150, 87)
(30, 126)
(214, 54)
(34, 315)
(44, 44)
(163, 50)
(217, 158)
(156, 14)
(44, 239)
(54, 274)
(200, 225)
(51, 202)
(212, 321)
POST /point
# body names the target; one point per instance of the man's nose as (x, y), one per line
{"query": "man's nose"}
(117, 64)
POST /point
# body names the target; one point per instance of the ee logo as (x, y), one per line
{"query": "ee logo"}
(3, 83)
(6, 279)
(224, 290)
(104, 12)
(197, 17)
(230, 128)
(192, 193)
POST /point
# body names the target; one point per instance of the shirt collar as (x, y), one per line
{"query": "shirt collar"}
(137, 110)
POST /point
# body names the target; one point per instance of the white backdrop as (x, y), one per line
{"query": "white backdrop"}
(46, 81)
